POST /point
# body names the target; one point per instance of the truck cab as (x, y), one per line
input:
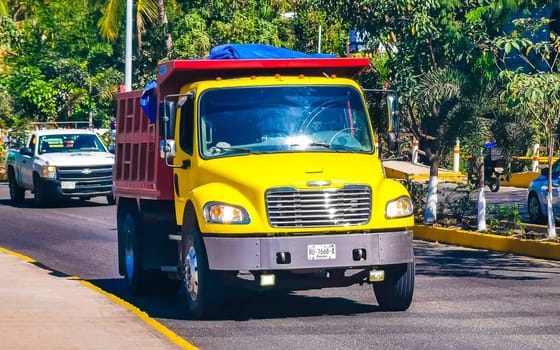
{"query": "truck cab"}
(267, 177)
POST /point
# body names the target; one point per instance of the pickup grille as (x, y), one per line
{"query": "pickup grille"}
(289, 207)
(88, 180)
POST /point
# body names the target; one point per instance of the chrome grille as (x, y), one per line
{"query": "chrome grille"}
(93, 173)
(87, 180)
(289, 207)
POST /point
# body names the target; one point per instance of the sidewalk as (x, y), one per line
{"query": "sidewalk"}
(40, 310)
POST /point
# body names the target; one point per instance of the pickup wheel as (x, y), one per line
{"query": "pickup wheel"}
(17, 193)
(135, 275)
(111, 200)
(395, 292)
(203, 288)
(39, 199)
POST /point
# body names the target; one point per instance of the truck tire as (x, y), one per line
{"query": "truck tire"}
(135, 275)
(17, 193)
(203, 288)
(39, 199)
(395, 292)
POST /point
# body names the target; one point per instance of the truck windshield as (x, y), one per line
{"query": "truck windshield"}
(283, 119)
(70, 143)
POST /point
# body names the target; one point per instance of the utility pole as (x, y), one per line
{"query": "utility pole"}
(128, 53)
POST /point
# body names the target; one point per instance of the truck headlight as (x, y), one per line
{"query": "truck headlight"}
(399, 208)
(222, 213)
(48, 171)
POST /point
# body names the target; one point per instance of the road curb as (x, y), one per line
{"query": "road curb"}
(534, 248)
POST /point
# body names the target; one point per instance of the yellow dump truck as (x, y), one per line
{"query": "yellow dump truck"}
(260, 173)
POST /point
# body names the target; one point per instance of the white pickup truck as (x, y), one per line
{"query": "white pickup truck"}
(60, 163)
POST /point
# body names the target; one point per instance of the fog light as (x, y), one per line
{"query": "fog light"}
(376, 275)
(268, 280)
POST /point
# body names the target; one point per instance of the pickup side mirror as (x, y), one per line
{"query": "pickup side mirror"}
(26, 151)
(544, 172)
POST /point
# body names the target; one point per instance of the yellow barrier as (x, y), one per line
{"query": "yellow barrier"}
(534, 248)
(520, 179)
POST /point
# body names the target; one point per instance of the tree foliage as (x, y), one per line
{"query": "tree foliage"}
(65, 62)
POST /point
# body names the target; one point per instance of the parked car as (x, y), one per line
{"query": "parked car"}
(537, 193)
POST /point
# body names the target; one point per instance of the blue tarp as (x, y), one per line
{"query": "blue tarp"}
(258, 51)
(148, 100)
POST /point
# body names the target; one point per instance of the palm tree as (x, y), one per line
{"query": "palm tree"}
(147, 11)
(3, 7)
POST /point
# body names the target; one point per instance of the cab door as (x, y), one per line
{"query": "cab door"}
(26, 163)
(183, 174)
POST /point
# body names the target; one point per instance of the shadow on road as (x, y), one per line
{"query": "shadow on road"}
(453, 261)
(241, 304)
(59, 203)
(445, 261)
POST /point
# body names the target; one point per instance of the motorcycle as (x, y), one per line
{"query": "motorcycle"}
(493, 170)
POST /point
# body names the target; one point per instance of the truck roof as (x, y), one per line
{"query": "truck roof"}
(183, 71)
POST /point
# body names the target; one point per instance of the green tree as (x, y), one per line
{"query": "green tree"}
(52, 71)
(533, 89)
(433, 53)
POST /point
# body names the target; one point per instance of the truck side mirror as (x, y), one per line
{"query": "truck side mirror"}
(393, 113)
(393, 121)
(166, 119)
(544, 172)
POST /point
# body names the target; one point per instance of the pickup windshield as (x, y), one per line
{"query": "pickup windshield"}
(70, 143)
(295, 118)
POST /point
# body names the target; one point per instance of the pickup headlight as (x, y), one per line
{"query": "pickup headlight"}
(48, 171)
(222, 213)
(398, 208)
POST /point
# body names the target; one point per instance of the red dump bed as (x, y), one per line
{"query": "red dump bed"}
(139, 171)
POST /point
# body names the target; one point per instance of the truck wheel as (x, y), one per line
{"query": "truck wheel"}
(135, 276)
(203, 288)
(17, 194)
(395, 292)
(39, 198)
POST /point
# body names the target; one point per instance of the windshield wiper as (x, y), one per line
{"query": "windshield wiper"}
(232, 149)
(332, 146)
(315, 144)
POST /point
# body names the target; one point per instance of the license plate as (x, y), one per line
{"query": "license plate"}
(68, 185)
(321, 251)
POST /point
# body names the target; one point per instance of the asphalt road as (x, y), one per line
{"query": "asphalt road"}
(464, 298)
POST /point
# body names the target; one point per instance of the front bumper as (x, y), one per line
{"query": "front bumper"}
(262, 253)
(84, 189)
